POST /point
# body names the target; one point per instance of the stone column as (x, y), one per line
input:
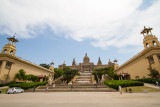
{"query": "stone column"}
(1, 69)
(2, 66)
(157, 63)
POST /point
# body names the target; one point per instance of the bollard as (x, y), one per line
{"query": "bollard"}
(130, 90)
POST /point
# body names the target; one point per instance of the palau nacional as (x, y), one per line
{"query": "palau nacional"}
(135, 68)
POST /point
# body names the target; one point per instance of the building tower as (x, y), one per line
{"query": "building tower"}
(149, 39)
(152, 45)
(115, 64)
(51, 66)
(73, 62)
(99, 62)
(10, 48)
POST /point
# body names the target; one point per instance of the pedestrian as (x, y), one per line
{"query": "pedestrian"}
(34, 89)
(120, 89)
(47, 89)
(156, 83)
(71, 85)
(96, 85)
(54, 85)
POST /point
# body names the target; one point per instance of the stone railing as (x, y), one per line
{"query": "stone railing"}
(93, 79)
(74, 79)
(58, 80)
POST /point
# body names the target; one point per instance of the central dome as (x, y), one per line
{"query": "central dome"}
(86, 59)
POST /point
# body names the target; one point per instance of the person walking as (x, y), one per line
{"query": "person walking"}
(54, 85)
(47, 89)
(156, 83)
(34, 89)
(120, 89)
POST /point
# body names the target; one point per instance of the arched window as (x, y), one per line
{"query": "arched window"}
(11, 53)
(154, 43)
(158, 57)
(147, 45)
(5, 51)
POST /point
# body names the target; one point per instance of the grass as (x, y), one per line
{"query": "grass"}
(141, 89)
(4, 90)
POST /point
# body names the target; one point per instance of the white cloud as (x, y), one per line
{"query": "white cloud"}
(107, 22)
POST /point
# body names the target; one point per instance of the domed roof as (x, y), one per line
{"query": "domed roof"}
(86, 59)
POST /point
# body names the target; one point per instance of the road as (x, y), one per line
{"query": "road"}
(80, 99)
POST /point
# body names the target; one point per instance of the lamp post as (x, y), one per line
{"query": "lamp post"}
(124, 82)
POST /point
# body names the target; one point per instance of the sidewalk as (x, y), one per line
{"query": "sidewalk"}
(4, 87)
(151, 85)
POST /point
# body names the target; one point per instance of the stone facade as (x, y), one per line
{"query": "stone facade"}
(89, 66)
(11, 64)
(137, 67)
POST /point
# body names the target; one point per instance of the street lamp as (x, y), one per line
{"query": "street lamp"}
(124, 82)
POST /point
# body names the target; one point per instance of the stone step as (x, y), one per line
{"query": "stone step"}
(74, 90)
(83, 77)
(74, 86)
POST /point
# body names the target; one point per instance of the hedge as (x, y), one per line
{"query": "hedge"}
(116, 83)
(27, 85)
(149, 80)
(6, 84)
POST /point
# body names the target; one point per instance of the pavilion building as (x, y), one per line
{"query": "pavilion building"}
(86, 65)
(137, 66)
(11, 64)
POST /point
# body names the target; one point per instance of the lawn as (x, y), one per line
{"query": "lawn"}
(4, 90)
(141, 89)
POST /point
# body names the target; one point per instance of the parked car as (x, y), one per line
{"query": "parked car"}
(15, 90)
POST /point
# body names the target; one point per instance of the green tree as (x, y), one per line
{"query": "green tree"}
(69, 74)
(58, 73)
(45, 65)
(98, 74)
(21, 75)
(32, 78)
(110, 73)
(153, 73)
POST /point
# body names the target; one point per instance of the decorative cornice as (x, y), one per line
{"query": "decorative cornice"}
(139, 55)
(24, 61)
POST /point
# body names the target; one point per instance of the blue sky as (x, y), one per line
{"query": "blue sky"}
(58, 31)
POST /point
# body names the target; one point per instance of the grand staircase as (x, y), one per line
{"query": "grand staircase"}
(75, 88)
(84, 78)
(84, 82)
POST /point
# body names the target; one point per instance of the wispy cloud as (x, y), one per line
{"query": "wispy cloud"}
(114, 23)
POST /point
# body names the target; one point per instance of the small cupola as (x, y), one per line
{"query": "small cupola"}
(10, 48)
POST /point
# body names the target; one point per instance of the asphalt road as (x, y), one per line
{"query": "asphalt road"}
(80, 99)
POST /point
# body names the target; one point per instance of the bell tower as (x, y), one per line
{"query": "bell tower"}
(73, 62)
(149, 39)
(10, 48)
(99, 61)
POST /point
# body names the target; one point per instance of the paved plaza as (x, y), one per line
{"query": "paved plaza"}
(80, 99)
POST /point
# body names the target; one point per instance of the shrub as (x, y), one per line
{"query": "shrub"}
(149, 80)
(27, 85)
(6, 84)
(116, 83)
